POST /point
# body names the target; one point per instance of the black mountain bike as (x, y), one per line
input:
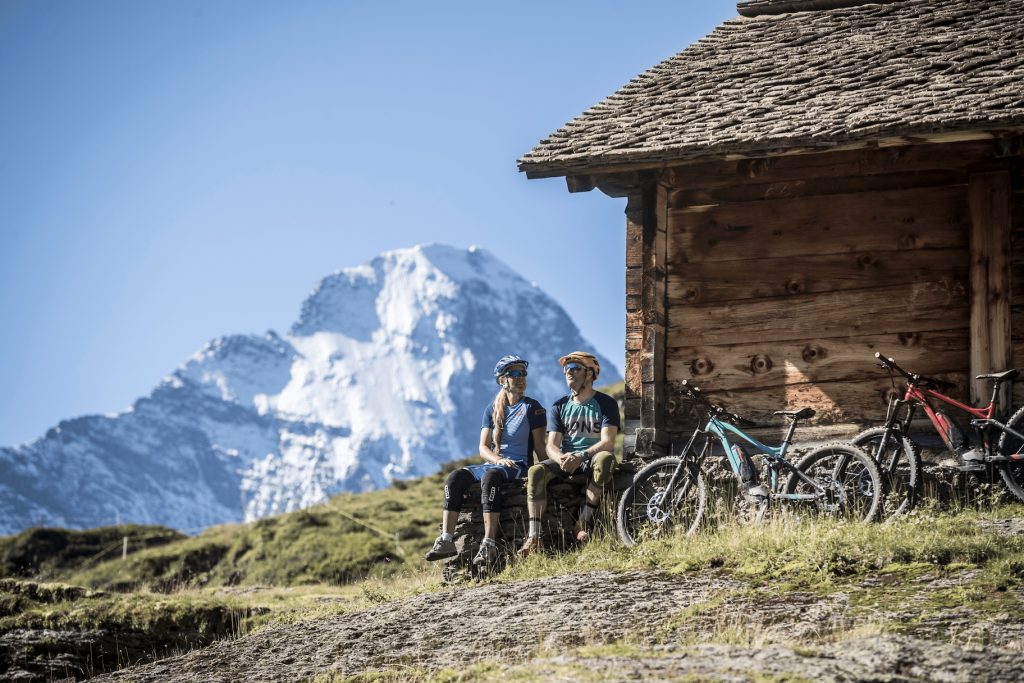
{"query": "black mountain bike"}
(996, 444)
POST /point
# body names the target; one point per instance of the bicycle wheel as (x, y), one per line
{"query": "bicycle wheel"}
(1009, 446)
(849, 477)
(645, 510)
(899, 464)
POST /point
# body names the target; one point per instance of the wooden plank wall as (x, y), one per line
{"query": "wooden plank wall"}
(1017, 274)
(785, 275)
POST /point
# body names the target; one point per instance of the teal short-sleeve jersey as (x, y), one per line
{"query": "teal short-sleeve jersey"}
(580, 423)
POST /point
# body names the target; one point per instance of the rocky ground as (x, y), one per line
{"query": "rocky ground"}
(621, 626)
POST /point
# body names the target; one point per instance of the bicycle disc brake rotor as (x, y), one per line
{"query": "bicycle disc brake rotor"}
(864, 486)
(655, 512)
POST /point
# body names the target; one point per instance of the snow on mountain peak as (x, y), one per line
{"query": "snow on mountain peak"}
(384, 375)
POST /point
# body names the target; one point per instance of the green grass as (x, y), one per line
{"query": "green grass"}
(30, 605)
(43, 553)
(811, 554)
(349, 538)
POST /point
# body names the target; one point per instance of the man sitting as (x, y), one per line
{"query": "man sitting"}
(581, 438)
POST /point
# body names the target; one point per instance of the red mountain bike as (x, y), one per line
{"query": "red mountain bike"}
(899, 458)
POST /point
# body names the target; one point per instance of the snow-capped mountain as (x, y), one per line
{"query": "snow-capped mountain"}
(385, 375)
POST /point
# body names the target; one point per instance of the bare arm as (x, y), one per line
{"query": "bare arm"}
(554, 447)
(487, 453)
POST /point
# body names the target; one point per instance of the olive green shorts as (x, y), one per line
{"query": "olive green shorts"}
(601, 468)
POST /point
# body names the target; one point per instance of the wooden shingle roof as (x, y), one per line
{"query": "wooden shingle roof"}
(808, 74)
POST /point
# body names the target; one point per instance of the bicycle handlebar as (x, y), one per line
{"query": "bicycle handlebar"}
(912, 377)
(695, 394)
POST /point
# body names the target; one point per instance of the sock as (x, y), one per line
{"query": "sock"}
(488, 541)
(586, 512)
(534, 527)
(447, 537)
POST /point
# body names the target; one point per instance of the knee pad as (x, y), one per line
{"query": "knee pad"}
(604, 465)
(490, 490)
(455, 489)
(537, 479)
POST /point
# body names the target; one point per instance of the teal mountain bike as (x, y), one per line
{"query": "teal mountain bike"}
(836, 479)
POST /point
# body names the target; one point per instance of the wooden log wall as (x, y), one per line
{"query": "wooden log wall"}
(785, 275)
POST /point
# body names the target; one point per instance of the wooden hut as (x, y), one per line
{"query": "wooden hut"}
(814, 181)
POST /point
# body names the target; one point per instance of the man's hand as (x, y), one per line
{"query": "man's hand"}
(505, 462)
(571, 462)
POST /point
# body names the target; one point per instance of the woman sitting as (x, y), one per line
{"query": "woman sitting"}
(513, 427)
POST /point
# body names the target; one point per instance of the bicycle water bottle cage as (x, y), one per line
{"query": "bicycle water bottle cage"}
(801, 414)
(1005, 376)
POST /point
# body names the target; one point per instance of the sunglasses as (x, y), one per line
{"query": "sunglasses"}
(515, 374)
(573, 367)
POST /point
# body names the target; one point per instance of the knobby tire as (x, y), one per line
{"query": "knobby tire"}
(850, 477)
(685, 510)
(899, 465)
(1012, 471)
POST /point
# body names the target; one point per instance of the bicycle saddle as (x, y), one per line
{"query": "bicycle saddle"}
(801, 414)
(1005, 376)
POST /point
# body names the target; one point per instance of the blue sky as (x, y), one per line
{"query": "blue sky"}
(175, 171)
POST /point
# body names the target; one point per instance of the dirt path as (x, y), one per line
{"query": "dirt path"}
(537, 626)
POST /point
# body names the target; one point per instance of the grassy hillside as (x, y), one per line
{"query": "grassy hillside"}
(348, 538)
(54, 553)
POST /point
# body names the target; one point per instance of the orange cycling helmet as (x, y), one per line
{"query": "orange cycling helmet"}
(587, 360)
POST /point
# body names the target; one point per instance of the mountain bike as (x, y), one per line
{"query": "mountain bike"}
(836, 479)
(899, 456)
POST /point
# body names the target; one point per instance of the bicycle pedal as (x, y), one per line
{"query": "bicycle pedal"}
(973, 466)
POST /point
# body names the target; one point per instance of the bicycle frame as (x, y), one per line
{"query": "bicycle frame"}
(777, 456)
(915, 396)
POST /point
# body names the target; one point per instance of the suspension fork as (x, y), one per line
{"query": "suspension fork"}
(897, 428)
(684, 459)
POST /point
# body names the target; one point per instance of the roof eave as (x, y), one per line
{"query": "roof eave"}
(620, 163)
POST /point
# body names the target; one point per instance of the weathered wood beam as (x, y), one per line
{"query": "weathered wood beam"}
(854, 166)
(989, 201)
(760, 277)
(579, 183)
(648, 363)
(677, 158)
(634, 318)
(920, 307)
(756, 364)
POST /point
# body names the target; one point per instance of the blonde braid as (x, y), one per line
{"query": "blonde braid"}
(501, 402)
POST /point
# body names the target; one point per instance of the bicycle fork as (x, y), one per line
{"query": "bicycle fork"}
(683, 460)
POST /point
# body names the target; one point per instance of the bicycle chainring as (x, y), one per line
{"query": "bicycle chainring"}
(655, 512)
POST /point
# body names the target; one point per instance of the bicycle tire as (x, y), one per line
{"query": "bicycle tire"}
(850, 478)
(633, 520)
(900, 467)
(1012, 472)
